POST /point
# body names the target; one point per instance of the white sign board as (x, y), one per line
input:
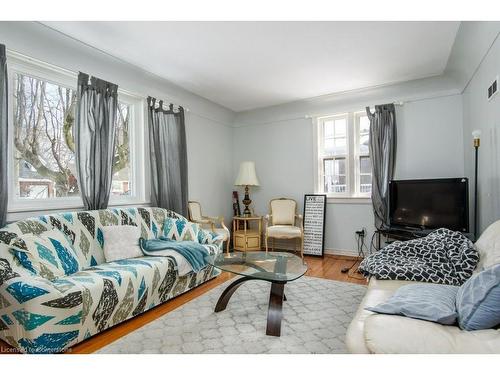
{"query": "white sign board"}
(314, 224)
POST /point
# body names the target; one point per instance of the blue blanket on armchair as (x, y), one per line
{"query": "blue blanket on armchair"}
(195, 253)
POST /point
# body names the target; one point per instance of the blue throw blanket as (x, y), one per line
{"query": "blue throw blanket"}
(195, 253)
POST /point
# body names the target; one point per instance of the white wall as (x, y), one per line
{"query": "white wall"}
(473, 40)
(479, 113)
(430, 139)
(210, 165)
(209, 132)
(429, 145)
(434, 126)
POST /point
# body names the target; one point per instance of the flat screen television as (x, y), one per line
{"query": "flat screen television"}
(430, 204)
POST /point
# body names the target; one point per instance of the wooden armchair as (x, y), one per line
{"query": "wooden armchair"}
(209, 222)
(283, 222)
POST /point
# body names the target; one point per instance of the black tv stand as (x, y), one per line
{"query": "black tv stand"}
(399, 234)
(404, 234)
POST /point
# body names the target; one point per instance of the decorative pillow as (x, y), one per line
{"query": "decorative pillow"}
(121, 242)
(49, 254)
(432, 302)
(488, 246)
(180, 229)
(478, 300)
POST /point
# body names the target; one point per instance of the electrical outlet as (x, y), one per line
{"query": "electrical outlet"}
(361, 232)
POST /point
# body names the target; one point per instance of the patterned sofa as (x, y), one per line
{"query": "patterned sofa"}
(40, 314)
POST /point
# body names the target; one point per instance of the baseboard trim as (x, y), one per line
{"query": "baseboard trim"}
(282, 245)
(343, 252)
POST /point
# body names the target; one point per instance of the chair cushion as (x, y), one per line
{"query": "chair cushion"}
(391, 334)
(478, 300)
(49, 254)
(283, 211)
(432, 302)
(380, 333)
(378, 291)
(284, 231)
(121, 242)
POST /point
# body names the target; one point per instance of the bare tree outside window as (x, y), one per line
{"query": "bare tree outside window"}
(44, 117)
(122, 179)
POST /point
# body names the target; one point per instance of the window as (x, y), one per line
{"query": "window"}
(362, 155)
(334, 142)
(42, 161)
(344, 166)
(44, 158)
(122, 173)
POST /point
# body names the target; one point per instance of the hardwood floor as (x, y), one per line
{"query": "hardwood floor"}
(328, 267)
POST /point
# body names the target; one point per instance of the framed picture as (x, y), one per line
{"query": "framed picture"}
(314, 224)
(236, 204)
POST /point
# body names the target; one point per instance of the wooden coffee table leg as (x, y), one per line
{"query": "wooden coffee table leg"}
(275, 310)
(228, 292)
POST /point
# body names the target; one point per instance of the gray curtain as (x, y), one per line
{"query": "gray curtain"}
(3, 136)
(382, 154)
(168, 156)
(97, 103)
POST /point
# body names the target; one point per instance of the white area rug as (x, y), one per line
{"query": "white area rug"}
(315, 320)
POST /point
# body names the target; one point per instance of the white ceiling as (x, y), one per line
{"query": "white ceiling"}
(246, 65)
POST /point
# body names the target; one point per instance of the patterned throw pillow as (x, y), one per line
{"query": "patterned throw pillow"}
(180, 229)
(49, 254)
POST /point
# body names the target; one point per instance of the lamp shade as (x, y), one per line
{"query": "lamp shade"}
(247, 175)
(476, 134)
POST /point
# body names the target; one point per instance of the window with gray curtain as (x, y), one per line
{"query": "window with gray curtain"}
(168, 156)
(97, 103)
(3, 136)
(382, 147)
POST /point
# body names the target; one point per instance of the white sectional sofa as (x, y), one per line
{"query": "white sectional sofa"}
(40, 313)
(377, 333)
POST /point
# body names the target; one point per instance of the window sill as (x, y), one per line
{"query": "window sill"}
(349, 200)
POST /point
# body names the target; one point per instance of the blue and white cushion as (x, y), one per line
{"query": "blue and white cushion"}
(49, 254)
(478, 300)
(431, 302)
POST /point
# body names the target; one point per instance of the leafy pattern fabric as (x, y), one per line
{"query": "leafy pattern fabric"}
(49, 254)
(47, 307)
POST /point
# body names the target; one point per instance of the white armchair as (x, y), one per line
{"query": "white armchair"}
(283, 222)
(209, 222)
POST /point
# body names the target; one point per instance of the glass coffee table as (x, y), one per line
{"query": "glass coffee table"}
(278, 268)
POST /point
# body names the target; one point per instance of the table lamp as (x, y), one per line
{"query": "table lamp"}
(247, 177)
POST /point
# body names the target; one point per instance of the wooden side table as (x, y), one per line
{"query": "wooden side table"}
(248, 238)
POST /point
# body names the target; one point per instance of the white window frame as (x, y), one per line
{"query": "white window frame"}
(322, 156)
(352, 194)
(20, 64)
(137, 152)
(357, 155)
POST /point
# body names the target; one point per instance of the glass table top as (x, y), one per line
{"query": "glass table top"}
(271, 266)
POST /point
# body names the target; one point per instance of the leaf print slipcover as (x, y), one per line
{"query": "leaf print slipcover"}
(72, 293)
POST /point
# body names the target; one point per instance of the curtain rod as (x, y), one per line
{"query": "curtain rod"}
(309, 116)
(56, 68)
(398, 103)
